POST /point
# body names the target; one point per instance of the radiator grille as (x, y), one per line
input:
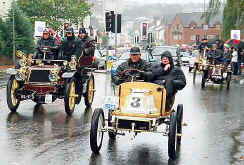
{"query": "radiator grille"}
(39, 76)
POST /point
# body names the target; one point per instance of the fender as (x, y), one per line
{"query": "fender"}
(11, 71)
(68, 75)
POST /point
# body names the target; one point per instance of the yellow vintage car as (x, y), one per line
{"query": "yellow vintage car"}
(136, 108)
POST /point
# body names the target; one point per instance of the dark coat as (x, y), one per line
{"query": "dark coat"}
(87, 46)
(174, 78)
(69, 47)
(140, 65)
(52, 43)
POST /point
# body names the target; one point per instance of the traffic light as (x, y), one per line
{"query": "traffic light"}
(108, 20)
(118, 23)
(144, 31)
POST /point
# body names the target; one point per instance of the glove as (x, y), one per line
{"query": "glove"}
(116, 80)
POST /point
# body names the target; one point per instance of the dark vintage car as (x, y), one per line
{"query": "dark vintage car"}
(45, 80)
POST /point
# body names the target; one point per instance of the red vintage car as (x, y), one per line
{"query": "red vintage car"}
(44, 81)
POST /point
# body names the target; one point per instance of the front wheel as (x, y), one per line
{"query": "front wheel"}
(12, 101)
(70, 97)
(112, 135)
(228, 79)
(96, 133)
(203, 80)
(89, 95)
(194, 74)
(179, 122)
(172, 141)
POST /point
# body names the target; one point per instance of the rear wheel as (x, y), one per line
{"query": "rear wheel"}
(70, 97)
(96, 133)
(12, 101)
(89, 95)
(172, 141)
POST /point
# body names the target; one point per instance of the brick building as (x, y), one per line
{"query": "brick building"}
(185, 28)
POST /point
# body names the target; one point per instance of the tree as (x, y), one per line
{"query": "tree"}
(233, 14)
(23, 35)
(55, 12)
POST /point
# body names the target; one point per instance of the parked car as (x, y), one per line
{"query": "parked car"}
(100, 59)
(157, 51)
(185, 57)
(144, 55)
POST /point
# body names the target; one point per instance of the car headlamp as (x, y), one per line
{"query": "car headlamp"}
(65, 63)
(53, 76)
(20, 76)
(22, 62)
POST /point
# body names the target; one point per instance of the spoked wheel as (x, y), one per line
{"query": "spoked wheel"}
(96, 133)
(203, 80)
(70, 97)
(12, 101)
(89, 95)
(228, 79)
(112, 135)
(179, 122)
(172, 141)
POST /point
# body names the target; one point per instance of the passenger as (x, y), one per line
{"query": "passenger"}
(46, 41)
(134, 62)
(87, 46)
(166, 74)
(70, 45)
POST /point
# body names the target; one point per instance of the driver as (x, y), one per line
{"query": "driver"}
(166, 74)
(134, 62)
(46, 41)
(215, 55)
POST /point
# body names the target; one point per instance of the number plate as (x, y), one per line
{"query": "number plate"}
(48, 99)
(111, 102)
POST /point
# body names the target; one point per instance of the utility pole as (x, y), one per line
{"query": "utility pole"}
(13, 9)
(116, 24)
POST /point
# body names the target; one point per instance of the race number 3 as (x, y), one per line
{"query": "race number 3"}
(135, 102)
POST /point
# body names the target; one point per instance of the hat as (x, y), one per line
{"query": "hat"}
(166, 54)
(135, 50)
(82, 30)
(46, 30)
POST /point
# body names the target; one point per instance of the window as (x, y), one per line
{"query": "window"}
(193, 37)
(211, 36)
(177, 36)
(205, 27)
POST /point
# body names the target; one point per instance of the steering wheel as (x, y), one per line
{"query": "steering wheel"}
(132, 75)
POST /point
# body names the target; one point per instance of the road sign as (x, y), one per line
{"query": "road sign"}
(39, 26)
(235, 34)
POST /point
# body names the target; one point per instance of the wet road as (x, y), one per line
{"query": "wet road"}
(213, 131)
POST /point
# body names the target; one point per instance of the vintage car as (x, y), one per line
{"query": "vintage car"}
(44, 80)
(217, 74)
(200, 60)
(137, 107)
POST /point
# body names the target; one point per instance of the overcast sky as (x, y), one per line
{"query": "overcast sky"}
(169, 1)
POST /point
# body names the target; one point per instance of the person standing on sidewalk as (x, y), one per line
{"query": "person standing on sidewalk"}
(234, 64)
